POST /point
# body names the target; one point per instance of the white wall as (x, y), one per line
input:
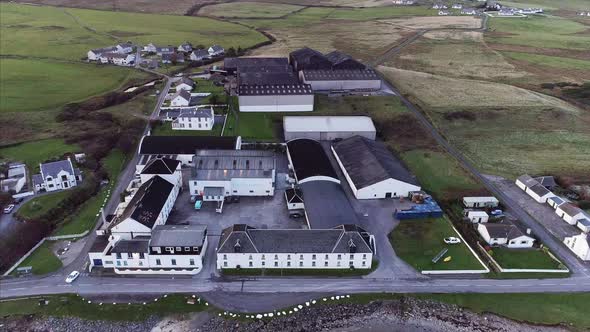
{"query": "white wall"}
(297, 261)
(521, 242)
(579, 246)
(344, 85)
(236, 186)
(192, 123)
(569, 219)
(276, 103)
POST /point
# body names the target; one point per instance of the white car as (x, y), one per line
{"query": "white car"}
(9, 208)
(73, 276)
(452, 240)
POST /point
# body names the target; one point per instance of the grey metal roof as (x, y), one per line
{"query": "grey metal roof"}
(336, 240)
(527, 180)
(255, 62)
(368, 162)
(183, 94)
(131, 246)
(185, 80)
(200, 53)
(267, 78)
(340, 75)
(38, 179)
(175, 145)
(53, 168)
(343, 60)
(160, 166)
(196, 112)
(539, 189)
(275, 90)
(100, 243)
(178, 236)
(326, 205)
(228, 164)
(213, 191)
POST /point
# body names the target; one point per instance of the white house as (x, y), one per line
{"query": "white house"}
(294, 199)
(580, 245)
(477, 217)
(185, 47)
(171, 249)
(195, 118)
(221, 173)
(118, 59)
(124, 48)
(371, 170)
(150, 48)
(168, 169)
(198, 55)
(185, 83)
(216, 50)
(443, 13)
(468, 11)
(165, 50)
(556, 201)
(570, 213)
(506, 12)
(504, 234)
(95, 54)
(342, 247)
(439, 6)
(57, 175)
(181, 98)
(149, 207)
(457, 6)
(584, 224)
(480, 202)
(533, 188)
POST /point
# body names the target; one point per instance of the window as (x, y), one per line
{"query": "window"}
(276, 257)
(250, 264)
(364, 256)
(313, 256)
(141, 255)
(158, 262)
(224, 256)
(263, 263)
(140, 263)
(288, 257)
(129, 255)
(190, 125)
(523, 242)
(339, 257)
(351, 256)
(118, 263)
(326, 256)
(178, 249)
(224, 264)
(191, 262)
(300, 264)
(173, 261)
(125, 263)
(263, 257)
(313, 264)
(169, 249)
(250, 257)
(338, 264)
(364, 263)
(251, 191)
(118, 255)
(288, 264)
(64, 178)
(300, 256)
(276, 264)
(326, 263)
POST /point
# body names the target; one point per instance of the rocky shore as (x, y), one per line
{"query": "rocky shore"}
(406, 314)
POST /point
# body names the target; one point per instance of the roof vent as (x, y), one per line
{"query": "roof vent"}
(351, 246)
(237, 246)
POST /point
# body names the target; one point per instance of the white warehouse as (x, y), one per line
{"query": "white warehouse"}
(275, 98)
(327, 128)
(343, 79)
(371, 170)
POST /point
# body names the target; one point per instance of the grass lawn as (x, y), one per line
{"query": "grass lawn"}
(113, 163)
(524, 259)
(41, 204)
(73, 305)
(418, 241)
(42, 260)
(34, 153)
(248, 10)
(165, 129)
(551, 61)
(252, 126)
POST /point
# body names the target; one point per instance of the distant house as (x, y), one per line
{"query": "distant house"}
(457, 6)
(480, 202)
(439, 6)
(198, 55)
(404, 2)
(165, 50)
(505, 234)
(95, 54)
(15, 180)
(150, 48)
(443, 13)
(506, 12)
(533, 188)
(216, 50)
(57, 175)
(124, 48)
(580, 245)
(199, 118)
(468, 11)
(185, 83)
(181, 98)
(185, 47)
(571, 213)
(118, 59)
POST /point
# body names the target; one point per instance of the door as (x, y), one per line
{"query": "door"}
(387, 195)
(97, 262)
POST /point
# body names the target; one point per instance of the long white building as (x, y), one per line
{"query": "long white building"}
(196, 118)
(328, 128)
(580, 245)
(220, 173)
(342, 247)
(275, 98)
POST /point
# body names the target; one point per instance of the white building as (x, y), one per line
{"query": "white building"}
(276, 98)
(580, 245)
(477, 217)
(443, 13)
(197, 118)
(199, 55)
(168, 169)
(216, 50)
(371, 170)
(185, 83)
(328, 128)
(180, 98)
(339, 80)
(294, 199)
(221, 173)
(94, 55)
(342, 247)
(57, 175)
(125, 48)
(480, 202)
(505, 234)
(570, 213)
(147, 208)
(118, 59)
(171, 249)
(533, 188)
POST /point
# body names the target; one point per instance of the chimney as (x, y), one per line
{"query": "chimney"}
(528, 231)
(237, 246)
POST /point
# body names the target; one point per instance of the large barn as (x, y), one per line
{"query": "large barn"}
(371, 170)
(183, 148)
(327, 128)
(275, 98)
(342, 79)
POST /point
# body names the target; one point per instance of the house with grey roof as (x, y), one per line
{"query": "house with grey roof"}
(185, 47)
(505, 234)
(341, 247)
(180, 98)
(371, 170)
(216, 50)
(194, 118)
(533, 188)
(57, 175)
(94, 55)
(199, 54)
(185, 83)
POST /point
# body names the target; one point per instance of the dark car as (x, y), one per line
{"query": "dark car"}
(19, 200)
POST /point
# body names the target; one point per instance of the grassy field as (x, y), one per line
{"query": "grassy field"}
(549, 4)
(524, 259)
(253, 126)
(418, 241)
(165, 129)
(248, 10)
(42, 260)
(41, 204)
(551, 61)
(34, 153)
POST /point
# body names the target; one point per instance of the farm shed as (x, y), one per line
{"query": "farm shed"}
(555, 201)
(584, 225)
(371, 170)
(342, 79)
(571, 213)
(327, 128)
(275, 98)
(533, 188)
(480, 202)
(477, 217)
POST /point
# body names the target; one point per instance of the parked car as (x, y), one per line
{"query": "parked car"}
(452, 240)
(73, 276)
(9, 208)
(19, 200)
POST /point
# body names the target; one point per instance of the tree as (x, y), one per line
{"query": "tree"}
(231, 52)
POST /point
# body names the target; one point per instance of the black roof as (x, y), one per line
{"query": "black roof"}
(275, 90)
(343, 61)
(99, 244)
(307, 58)
(131, 246)
(294, 195)
(309, 159)
(238, 63)
(340, 75)
(160, 166)
(148, 201)
(170, 145)
(368, 162)
(326, 205)
(267, 78)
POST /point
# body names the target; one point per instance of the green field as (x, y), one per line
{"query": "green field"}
(258, 126)
(524, 259)
(42, 260)
(551, 61)
(248, 10)
(548, 4)
(537, 31)
(34, 153)
(41, 204)
(418, 241)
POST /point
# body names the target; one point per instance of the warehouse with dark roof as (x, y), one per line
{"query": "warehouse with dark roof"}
(309, 161)
(371, 170)
(182, 148)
